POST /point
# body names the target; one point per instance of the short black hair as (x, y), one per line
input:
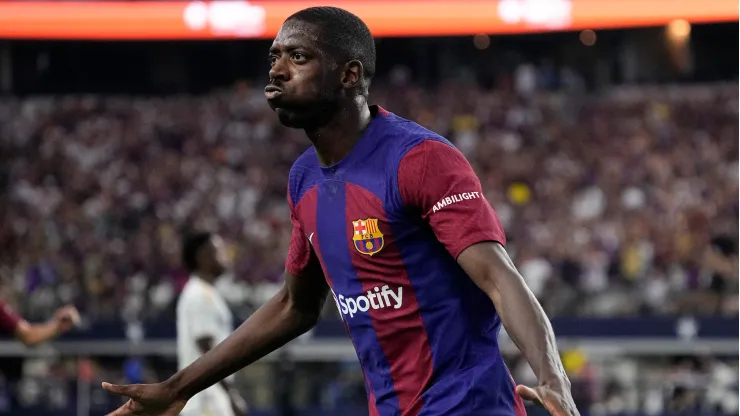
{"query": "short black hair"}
(346, 34)
(191, 245)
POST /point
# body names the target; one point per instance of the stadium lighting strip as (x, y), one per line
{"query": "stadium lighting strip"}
(173, 20)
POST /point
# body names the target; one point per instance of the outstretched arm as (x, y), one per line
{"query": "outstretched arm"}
(490, 267)
(32, 335)
(291, 312)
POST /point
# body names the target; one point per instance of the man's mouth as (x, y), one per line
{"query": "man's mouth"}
(272, 92)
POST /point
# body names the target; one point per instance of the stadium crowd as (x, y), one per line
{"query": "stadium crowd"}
(620, 202)
(623, 202)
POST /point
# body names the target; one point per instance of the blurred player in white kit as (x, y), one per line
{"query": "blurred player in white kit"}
(203, 321)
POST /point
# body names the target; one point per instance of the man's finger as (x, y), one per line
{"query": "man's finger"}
(127, 390)
(528, 394)
(555, 409)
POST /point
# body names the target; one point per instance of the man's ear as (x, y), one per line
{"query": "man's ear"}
(352, 74)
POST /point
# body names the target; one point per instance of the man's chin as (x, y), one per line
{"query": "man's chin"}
(290, 119)
(305, 116)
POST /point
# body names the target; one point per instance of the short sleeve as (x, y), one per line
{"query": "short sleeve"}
(201, 314)
(9, 319)
(299, 252)
(437, 180)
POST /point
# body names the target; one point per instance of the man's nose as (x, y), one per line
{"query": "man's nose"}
(279, 70)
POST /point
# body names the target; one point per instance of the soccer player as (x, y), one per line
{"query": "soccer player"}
(203, 321)
(30, 335)
(389, 218)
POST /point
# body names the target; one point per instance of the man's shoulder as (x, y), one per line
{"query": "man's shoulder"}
(194, 292)
(306, 161)
(304, 173)
(405, 135)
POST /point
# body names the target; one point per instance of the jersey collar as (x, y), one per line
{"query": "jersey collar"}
(369, 140)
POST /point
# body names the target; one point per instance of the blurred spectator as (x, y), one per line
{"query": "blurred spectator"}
(615, 203)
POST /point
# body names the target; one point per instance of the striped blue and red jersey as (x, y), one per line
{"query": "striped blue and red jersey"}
(387, 224)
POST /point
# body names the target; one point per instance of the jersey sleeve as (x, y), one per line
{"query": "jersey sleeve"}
(299, 252)
(201, 314)
(436, 179)
(9, 319)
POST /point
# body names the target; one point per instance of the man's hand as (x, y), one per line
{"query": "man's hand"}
(556, 400)
(146, 400)
(66, 318)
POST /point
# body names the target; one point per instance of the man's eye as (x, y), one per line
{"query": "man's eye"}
(299, 56)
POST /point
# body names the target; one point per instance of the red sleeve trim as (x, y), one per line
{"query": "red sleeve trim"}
(9, 319)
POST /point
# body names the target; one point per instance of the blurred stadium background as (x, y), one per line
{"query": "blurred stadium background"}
(605, 133)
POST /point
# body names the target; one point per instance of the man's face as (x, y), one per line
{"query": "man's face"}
(214, 258)
(304, 85)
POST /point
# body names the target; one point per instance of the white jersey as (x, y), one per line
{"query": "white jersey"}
(202, 312)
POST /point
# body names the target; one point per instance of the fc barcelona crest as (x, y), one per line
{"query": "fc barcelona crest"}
(367, 236)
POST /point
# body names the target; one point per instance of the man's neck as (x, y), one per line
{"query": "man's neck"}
(205, 277)
(335, 140)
